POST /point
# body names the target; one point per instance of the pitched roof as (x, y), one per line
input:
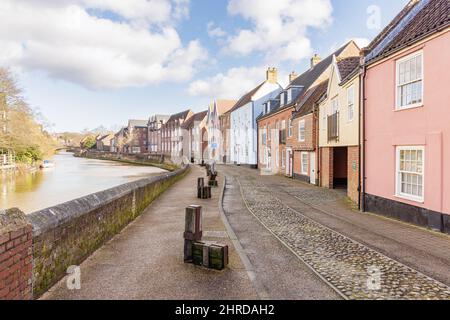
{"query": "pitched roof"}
(309, 98)
(347, 66)
(225, 105)
(179, 116)
(198, 117)
(138, 123)
(419, 19)
(307, 78)
(246, 98)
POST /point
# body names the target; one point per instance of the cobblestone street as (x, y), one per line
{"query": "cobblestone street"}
(344, 260)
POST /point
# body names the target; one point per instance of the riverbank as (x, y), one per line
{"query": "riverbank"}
(70, 178)
(44, 244)
(140, 160)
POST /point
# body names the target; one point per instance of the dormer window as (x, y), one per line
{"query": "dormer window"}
(289, 96)
(282, 95)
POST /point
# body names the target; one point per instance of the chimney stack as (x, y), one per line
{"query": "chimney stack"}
(272, 75)
(315, 60)
(292, 76)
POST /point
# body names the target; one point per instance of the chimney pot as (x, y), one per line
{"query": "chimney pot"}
(292, 76)
(272, 75)
(315, 60)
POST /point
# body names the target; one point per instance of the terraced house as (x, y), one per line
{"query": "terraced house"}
(172, 134)
(305, 134)
(195, 141)
(213, 125)
(406, 112)
(155, 124)
(137, 134)
(243, 127)
(339, 134)
(279, 149)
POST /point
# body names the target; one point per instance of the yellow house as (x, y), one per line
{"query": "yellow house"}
(339, 150)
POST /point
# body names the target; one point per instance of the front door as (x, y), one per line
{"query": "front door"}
(312, 166)
(289, 162)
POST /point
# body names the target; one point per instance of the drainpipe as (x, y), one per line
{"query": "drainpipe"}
(362, 139)
(316, 143)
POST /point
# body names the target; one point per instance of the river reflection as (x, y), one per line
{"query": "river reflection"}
(71, 178)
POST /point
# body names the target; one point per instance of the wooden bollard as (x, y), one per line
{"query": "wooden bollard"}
(200, 186)
(188, 254)
(192, 230)
(213, 183)
(210, 255)
(193, 223)
(218, 256)
(206, 192)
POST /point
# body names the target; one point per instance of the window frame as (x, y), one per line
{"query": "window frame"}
(300, 139)
(397, 78)
(302, 163)
(290, 128)
(398, 192)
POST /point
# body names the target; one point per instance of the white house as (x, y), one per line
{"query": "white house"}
(215, 139)
(243, 126)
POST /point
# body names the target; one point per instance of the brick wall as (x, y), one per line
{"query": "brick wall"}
(67, 234)
(326, 167)
(353, 170)
(37, 249)
(310, 134)
(271, 120)
(15, 256)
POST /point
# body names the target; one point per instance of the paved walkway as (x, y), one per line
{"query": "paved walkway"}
(145, 261)
(339, 244)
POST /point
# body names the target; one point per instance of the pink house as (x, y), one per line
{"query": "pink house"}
(406, 89)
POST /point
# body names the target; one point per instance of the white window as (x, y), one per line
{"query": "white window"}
(301, 130)
(282, 99)
(289, 95)
(410, 173)
(334, 105)
(290, 128)
(410, 81)
(351, 103)
(304, 163)
(283, 162)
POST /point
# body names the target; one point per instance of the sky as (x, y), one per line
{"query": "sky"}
(90, 63)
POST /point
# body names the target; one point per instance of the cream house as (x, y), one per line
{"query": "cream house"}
(339, 128)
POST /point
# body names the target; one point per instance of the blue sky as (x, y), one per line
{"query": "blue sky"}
(85, 64)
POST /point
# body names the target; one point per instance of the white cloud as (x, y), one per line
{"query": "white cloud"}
(63, 39)
(214, 31)
(232, 84)
(279, 28)
(361, 42)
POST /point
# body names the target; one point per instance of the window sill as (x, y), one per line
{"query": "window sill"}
(405, 197)
(413, 106)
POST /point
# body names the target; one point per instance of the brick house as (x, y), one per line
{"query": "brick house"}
(339, 128)
(196, 141)
(155, 124)
(172, 134)
(225, 134)
(275, 148)
(406, 117)
(304, 137)
(104, 142)
(136, 137)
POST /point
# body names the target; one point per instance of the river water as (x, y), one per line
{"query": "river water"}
(71, 178)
